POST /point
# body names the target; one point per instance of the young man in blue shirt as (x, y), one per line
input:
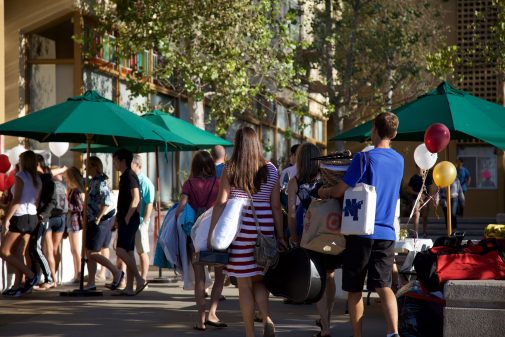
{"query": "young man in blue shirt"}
(373, 254)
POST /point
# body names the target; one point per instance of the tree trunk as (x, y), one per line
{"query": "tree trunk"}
(329, 61)
(196, 112)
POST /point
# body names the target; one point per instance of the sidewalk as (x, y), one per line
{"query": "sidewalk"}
(163, 310)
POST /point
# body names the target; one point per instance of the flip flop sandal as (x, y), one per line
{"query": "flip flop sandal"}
(138, 291)
(122, 293)
(217, 324)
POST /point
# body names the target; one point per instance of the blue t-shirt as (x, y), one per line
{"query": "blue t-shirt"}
(385, 174)
(463, 175)
(219, 170)
(147, 194)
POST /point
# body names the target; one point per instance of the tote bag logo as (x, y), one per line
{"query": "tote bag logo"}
(351, 208)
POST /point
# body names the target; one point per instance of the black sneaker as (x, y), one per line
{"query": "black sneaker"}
(10, 292)
(30, 283)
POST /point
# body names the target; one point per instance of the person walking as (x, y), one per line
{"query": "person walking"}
(304, 186)
(128, 221)
(413, 188)
(75, 190)
(249, 173)
(147, 194)
(21, 218)
(99, 224)
(457, 198)
(373, 254)
(56, 224)
(200, 191)
(465, 179)
(219, 156)
(46, 205)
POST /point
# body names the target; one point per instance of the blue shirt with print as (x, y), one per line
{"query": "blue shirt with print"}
(147, 194)
(385, 172)
(99, 194)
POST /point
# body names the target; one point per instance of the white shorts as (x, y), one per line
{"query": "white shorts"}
(142, 239)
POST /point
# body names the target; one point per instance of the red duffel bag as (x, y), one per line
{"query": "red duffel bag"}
(484, 260)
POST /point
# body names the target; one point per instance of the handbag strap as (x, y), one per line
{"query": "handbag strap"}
(254, 213)
(363, 168)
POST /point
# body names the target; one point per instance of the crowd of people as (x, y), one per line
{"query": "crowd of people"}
(45, 203)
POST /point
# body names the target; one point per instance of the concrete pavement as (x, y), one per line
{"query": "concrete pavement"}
(163, 310)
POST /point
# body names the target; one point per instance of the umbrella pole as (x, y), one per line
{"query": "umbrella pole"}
(449, 218)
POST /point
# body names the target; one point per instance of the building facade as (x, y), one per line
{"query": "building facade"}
(45, 64)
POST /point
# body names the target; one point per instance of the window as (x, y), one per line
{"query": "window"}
(481, 162)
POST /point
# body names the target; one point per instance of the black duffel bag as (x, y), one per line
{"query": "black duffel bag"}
(297, 277)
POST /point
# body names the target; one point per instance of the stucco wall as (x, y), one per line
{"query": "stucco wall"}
(23, 16)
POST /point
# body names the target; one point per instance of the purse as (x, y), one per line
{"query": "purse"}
(211, 257)
(358, 213)
(266, 253)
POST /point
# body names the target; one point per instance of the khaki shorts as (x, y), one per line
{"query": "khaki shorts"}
(142, 239)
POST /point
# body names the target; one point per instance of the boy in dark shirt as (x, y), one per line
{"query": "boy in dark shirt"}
(128, 219)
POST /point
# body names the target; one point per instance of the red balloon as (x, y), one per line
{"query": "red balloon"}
(5, 164)
(437, 137)
(9, 180)
(2, 182)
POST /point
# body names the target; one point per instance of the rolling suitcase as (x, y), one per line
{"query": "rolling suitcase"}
(297, 277)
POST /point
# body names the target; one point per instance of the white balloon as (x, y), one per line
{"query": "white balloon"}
(14, 154)
(424, 158)
(58, 149)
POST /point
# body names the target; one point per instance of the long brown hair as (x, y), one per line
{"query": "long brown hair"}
(306, 168)
(28, 163)
(247, 168)
(74, 178)
(202, 165)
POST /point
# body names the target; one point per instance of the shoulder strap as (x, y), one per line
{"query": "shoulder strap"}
(254, 213)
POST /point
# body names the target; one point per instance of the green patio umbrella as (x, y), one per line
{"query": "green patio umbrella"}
(90, 118)
(465, 115)
(196, 137)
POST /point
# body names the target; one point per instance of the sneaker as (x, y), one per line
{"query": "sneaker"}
(30, 283)
(10, 292)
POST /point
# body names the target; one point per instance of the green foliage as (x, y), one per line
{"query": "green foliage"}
(443, 61)
(224, 51)
(378, 48)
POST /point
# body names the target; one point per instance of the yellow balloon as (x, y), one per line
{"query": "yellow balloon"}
(444, 173)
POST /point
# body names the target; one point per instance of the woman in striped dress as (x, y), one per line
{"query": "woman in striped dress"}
(248, 172)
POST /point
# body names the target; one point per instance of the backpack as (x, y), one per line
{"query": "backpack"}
(60, 192)
(200, 210)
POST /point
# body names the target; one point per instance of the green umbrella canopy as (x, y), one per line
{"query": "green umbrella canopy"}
(199, 139)
(465, 115)
(90, 114)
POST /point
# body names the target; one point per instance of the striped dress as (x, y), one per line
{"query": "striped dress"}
(242, 263)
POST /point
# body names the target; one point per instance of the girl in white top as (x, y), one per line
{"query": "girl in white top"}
(21, 217)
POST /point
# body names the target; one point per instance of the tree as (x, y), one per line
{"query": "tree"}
(225, 52)
(371, 49)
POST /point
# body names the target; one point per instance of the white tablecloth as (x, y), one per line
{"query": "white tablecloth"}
(407, 245)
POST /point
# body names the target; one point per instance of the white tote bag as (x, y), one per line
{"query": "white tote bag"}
(228, 225)
(358, 214)
(200, 231)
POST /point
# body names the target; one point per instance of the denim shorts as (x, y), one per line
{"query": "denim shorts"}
(57, 224)
(98, 236)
